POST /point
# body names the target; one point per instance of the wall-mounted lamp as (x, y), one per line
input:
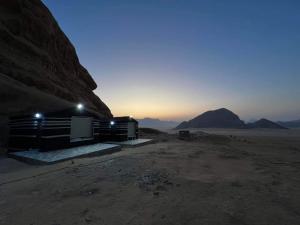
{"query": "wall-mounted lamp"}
(38, 115)
(80, 106)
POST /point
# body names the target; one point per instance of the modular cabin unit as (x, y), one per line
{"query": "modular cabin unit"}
(123, 128)
(55, 130)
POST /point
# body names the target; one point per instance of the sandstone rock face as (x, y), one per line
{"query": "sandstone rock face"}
(36, 53)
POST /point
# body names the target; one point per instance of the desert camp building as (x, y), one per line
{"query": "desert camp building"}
(124, 128)
(67, 128)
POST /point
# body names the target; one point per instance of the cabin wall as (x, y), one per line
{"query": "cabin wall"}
(49, 133)
(120, 131)
(4, 134)
(23, 133)
(104, 130)
(124, 130)
(55, 131)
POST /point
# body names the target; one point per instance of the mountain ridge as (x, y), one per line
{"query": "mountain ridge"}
(157, 123)
(219, 118)
(265, 123)
(290, 124)
(224, 118)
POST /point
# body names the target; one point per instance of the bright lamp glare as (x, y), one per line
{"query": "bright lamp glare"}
(79, 106)
(112, 122)
(38, 115)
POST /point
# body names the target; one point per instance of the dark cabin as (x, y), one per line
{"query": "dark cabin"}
(123, 128)
(56, 130)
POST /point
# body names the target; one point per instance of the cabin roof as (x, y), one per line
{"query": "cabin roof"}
(124, 119)
(68, 112)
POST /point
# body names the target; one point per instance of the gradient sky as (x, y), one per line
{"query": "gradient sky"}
(174, 59)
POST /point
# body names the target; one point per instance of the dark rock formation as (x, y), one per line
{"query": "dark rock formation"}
(35, 55)
(220, 118)
(183, 125)
(290, 124)
(264, 123)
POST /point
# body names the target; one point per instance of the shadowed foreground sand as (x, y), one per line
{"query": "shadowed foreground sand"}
(233, 178)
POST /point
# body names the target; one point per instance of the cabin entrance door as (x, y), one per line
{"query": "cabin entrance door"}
(81, 129)
(131, 130)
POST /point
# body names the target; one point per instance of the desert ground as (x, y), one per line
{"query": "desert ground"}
(215, 177)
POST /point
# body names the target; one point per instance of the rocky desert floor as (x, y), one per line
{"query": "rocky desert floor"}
(217, 177)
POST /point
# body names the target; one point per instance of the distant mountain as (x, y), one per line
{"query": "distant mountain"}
(290, 124)
(224, 118)
(220, 118)
(156, 123)
(264, 123)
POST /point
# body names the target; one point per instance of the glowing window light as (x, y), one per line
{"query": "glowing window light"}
(112, 123)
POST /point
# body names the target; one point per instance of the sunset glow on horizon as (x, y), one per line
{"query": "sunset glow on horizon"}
(173, 60)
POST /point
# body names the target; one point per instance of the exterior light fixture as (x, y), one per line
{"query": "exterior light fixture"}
(80, 106)
(38, 115)
(112, 123)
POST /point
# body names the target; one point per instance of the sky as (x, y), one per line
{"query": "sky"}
(175, 59)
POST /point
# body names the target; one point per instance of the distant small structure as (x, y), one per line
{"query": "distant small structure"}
(184, 134)
(123, 128)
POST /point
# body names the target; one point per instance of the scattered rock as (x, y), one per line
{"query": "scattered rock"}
(168, 182)
(84, 212)
(276, 182)
(89, 192)
(87, 219)
(236, 184)
(155, 181)
(161, 188)
(156, 193)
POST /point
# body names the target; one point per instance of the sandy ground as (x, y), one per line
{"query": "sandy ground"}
(234, 177)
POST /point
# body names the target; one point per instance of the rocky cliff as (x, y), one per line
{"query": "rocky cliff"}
(37, 58)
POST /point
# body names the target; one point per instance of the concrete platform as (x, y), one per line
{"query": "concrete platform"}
(37, 157)
(132, 143)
